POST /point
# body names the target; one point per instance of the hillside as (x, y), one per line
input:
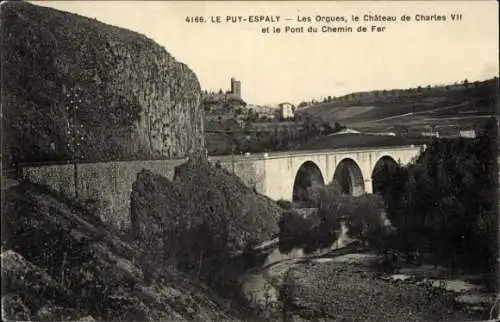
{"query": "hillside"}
(60, 263)
(73, 83)
(179, 260)
(448, 108)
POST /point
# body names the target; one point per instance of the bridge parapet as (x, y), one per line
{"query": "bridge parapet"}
(298, 153)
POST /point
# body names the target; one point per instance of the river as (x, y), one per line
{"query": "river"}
(260, 285)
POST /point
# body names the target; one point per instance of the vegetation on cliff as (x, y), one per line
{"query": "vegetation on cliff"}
(201, 220)
(76, 87)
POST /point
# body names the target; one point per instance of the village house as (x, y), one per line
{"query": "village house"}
(286, 111)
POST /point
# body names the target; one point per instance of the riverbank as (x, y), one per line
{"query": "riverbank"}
(345, 286)
(343, 291)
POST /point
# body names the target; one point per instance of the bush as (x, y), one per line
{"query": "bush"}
(201, 220)
(364, 216)
(294, 230)
(285, 204)
(366, 221)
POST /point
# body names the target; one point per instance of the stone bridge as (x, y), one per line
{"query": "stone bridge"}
(285, 175)
(278, 175)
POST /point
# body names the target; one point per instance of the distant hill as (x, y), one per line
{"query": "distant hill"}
(447, 108)
(354, 140)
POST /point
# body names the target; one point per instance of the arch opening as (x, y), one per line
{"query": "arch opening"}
(382, 175)
(348, 178)
(308, 176)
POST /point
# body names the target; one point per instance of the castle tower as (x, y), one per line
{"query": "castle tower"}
(235, 87)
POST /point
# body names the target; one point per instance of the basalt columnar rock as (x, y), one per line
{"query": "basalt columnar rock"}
(71, 81)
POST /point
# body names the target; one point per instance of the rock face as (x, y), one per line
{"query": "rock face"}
(73, 82)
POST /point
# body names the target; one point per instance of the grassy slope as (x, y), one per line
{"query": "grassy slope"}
(429, 107)
(359, 141)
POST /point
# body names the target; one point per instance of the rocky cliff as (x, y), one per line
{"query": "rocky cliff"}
(74, 84)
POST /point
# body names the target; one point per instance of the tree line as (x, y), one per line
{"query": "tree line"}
(445, 204)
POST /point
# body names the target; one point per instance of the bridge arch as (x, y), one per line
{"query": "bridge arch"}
(349, 178)
(308, 175)
(382, 172)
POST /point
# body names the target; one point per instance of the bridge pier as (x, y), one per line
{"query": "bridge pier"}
(368, 185)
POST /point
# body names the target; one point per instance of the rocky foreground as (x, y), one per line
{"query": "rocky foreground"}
(60, 263)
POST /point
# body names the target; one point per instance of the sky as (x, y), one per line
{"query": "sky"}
(291, 67)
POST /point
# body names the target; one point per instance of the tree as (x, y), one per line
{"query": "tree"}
(445, 202)
(75, 129)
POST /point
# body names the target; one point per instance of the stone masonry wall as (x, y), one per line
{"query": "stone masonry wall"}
(109, 184)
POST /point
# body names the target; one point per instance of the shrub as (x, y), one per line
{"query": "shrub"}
(366, 221)
(363, 215)
(285, 204)
(201, 220)
(294, 230)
